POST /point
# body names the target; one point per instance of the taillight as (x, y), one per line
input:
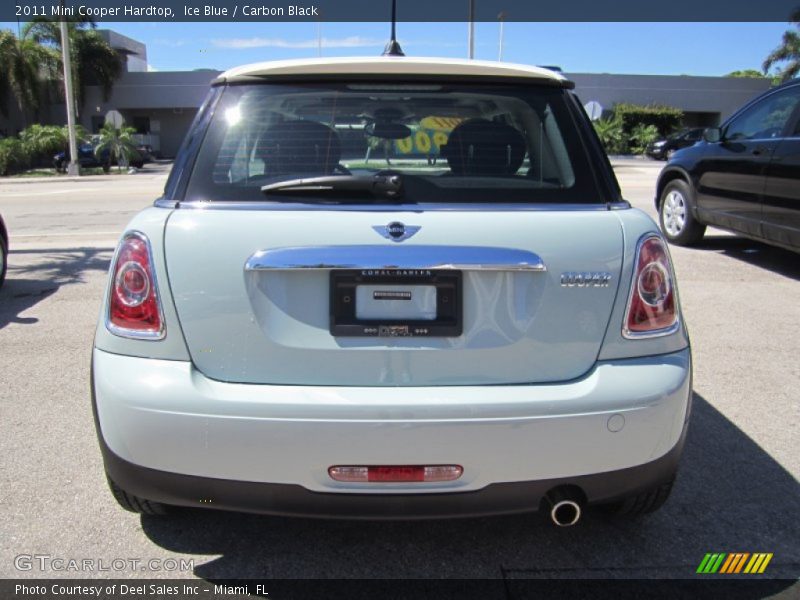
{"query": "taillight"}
(652, 304)
(134, 310)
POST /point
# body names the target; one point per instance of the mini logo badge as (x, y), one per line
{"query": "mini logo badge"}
(396, 231)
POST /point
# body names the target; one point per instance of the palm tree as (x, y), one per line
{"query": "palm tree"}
(788, 52)
(94, 61)
(118, 143)
(25, 65)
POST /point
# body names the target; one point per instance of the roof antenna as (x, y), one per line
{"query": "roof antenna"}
(393, 47)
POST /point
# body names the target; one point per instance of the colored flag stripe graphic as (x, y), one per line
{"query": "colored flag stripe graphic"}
(732, 563)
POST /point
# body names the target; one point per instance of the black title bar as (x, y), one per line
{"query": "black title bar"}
(407, 10)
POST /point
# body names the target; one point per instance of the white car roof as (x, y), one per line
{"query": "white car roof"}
(390, 65)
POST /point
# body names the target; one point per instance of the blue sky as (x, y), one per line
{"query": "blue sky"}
(644, 48)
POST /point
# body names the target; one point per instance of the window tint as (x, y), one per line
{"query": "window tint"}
(765, 119)
(452, 143)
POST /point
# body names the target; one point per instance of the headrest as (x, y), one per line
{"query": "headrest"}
(302, 147)
(481, 147)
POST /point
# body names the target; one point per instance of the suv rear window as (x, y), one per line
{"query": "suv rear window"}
(449, 143)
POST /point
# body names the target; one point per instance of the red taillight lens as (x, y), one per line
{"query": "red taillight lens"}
(395, 473)
(652, 306)
(133, 306)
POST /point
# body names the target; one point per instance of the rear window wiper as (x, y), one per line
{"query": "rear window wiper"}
(384, 186)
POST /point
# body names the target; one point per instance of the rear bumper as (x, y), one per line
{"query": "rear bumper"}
(170, 434)
(295, 500)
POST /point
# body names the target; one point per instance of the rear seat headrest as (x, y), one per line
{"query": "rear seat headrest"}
(481, 147)
(303, 147)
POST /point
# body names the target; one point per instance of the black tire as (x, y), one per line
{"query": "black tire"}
(135, 504)
(641, 504)
(676, 214)
(3, 260)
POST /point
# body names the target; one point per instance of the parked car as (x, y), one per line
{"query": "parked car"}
(664, 149)
(743, 176)
(291, 329)
(145, 152)
(88, 159)
(3, 251)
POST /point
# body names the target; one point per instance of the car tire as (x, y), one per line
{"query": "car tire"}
(643, 503)
(3, 260)
(676, 217)
(135, 504)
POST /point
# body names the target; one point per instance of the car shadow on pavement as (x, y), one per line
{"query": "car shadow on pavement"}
(780, 261)
(28, 282)
(730, 496)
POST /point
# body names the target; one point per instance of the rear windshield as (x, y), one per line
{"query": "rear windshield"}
(449, 143)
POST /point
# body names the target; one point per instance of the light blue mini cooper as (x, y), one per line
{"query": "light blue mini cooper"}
(391, 287)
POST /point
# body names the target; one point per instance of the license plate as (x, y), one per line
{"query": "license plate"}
(396, 303)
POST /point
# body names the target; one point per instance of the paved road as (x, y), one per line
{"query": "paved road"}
(738, 488)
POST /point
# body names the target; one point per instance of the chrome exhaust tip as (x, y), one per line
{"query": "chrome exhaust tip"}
(565, 506)
(565, 513)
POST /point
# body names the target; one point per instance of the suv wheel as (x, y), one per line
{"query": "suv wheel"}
(135, 504)
(675, 215)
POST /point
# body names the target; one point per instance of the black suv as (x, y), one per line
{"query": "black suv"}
(743, 176)
(663, 149)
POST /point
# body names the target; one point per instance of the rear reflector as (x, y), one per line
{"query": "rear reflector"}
(395, 474)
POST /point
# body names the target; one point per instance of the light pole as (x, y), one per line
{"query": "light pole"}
(73, 168)
(319, 36)
(471, 30)
(501, 17)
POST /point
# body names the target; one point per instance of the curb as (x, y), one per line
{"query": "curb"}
(26, 180)
(65, 179)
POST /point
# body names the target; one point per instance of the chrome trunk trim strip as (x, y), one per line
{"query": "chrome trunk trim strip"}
(369, 257)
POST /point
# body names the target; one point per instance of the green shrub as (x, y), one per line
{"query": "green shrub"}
(42, 140)
(611, 135)
(665, 119)
(14, 156)
(642, 136)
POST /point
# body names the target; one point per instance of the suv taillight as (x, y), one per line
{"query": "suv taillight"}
(652, 304)
(134, 310)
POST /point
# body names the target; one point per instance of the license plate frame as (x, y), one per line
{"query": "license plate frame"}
(449, 303)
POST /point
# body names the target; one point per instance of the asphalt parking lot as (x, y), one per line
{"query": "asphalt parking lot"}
(737, 490)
